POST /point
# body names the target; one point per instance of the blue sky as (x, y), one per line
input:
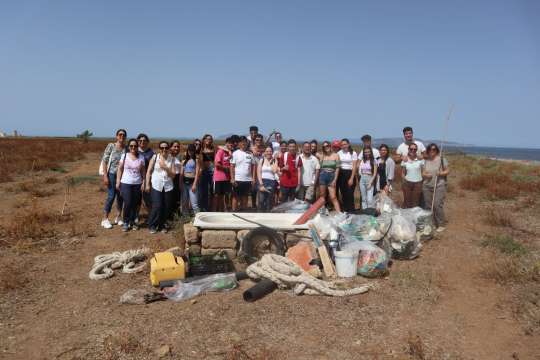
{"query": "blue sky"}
(324, 69)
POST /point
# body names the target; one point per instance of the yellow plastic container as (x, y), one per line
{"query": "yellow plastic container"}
(164, 266)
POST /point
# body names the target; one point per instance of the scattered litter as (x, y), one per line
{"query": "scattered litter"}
(140, 297)
(287, 275)
(187, 290)
(104, 265)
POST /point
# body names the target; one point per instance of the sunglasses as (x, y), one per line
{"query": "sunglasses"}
(164, 147)
(142, 140)
(413, 150)
(121, 134)
(133, 146)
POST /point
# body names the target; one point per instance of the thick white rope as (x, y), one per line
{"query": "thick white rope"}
(288, 275)
(104, 265)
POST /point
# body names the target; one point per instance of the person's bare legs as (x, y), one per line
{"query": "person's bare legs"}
(333, 198)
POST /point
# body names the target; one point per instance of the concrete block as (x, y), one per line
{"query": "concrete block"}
(191, 234)
(219, 239)
(195, 249)
(231, 253)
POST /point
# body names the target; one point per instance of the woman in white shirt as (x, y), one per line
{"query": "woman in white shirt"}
(266, 174)
(368, 174)
(130, 182)
(346, 179)
(160, 176)
(412, 169)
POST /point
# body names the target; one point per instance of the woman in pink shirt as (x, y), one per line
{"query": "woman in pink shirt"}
(222, 175)
(130, 182)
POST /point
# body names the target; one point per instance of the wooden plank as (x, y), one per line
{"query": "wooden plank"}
(328, 266)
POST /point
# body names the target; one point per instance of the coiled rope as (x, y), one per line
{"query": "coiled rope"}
(288, 275)
(104, 265)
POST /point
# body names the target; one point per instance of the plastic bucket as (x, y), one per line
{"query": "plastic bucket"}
(346, 263)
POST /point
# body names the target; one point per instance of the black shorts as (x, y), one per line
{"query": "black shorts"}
(222, 187)
(242, 188)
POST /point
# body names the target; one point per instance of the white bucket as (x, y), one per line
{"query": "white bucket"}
(346, 263)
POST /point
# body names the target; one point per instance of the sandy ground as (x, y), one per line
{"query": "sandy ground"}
(439, 306)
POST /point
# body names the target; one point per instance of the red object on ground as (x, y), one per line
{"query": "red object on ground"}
(302, 254)
(310, 212)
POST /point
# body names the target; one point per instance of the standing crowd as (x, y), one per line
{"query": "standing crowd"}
(253, 172)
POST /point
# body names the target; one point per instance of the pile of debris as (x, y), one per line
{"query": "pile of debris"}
(336, 245)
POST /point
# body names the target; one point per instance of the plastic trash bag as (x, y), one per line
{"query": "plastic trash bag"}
(384, 204)
(405, 244)
(325, 226)
(187, 290)
(423, 219)
(361, 227)
(295, 206)
(372, 260)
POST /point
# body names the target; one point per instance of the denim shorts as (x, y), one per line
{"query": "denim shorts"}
(326, 177)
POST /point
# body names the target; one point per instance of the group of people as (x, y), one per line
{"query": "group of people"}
(254, 172)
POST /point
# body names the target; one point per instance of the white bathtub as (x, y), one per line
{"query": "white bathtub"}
(223, 220)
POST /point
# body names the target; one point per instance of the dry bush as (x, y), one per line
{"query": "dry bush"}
(34, 189)
(26, 228)
(505, 269)
(21, 155)
(513, 262)
(498, 217)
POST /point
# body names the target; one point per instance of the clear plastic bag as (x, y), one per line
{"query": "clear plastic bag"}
(295, 206)
(361, 227)
(187, 290)
(372, 260)
(384, 204)
(325, 226)
(423, 219)
(405, 244)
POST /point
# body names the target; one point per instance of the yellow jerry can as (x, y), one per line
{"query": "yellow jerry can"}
(164, 266)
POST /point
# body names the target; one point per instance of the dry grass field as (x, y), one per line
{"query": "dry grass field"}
(474, 293)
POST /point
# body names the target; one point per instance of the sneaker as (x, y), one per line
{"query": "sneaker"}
(164, 230)
(153, 231)
(106, 224)
(135, 227)
(136, 222)
(125, 228)
(440, 229)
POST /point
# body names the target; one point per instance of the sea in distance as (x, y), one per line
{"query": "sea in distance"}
(527, 154)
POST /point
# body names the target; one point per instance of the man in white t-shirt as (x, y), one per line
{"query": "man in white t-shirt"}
(243, 175)
(403, 148)
(309, 174)
(366, 142)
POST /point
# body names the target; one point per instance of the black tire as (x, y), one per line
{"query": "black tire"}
(260, 241)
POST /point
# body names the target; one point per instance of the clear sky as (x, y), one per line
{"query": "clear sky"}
(324, 69)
